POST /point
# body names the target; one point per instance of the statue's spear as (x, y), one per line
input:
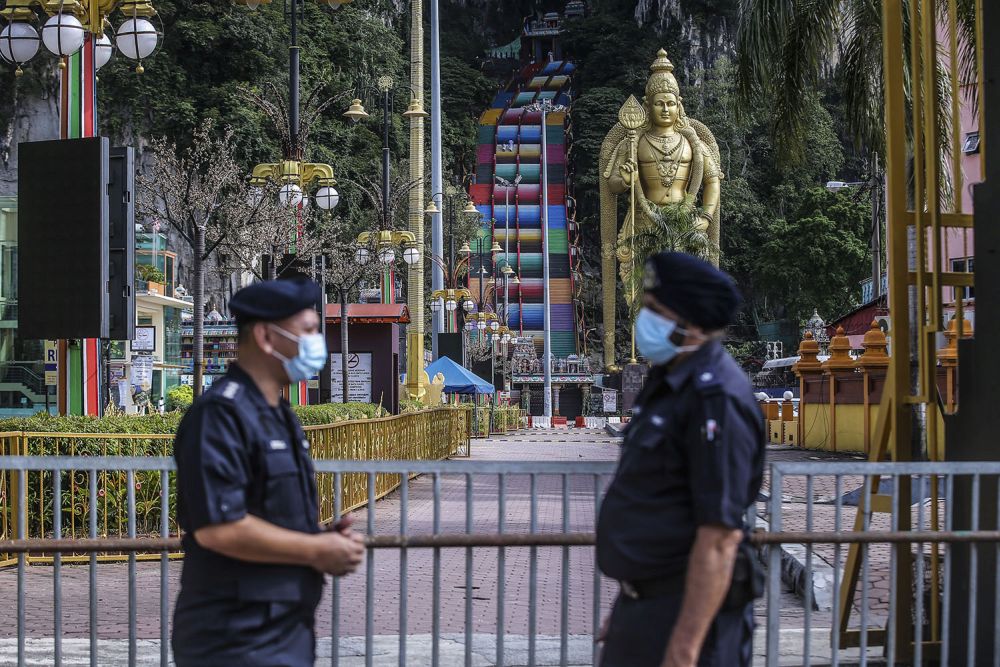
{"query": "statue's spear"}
(632, 116)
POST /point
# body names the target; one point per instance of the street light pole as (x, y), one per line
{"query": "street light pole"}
(293, 82)
(416, 384)
(437, 242)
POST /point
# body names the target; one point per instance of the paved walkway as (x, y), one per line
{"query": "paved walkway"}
(350, 620)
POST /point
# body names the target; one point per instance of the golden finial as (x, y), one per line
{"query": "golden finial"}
(139, 69)
(949, 354)
(808, 355)
(840, 353)
(875, 345)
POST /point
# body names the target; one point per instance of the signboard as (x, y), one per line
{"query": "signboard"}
(51, 363)
(142, 371)
(610, 401)
(145, 339)
(359, 377)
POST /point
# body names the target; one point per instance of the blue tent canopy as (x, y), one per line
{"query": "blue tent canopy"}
(458, 379)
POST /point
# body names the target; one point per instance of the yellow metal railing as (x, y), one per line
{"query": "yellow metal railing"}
(427, 435)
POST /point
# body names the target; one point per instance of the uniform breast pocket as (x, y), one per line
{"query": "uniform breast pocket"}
(283, 497)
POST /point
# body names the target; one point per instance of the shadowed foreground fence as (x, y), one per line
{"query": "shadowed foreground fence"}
(95, 503)
(467, 549)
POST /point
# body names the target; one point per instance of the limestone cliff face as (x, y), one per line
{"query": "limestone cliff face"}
(31, 114)
(708, 28)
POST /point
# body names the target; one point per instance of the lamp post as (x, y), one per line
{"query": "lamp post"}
(292, 172)
(384, 87)
(450, 198)
(74, 31)
(75, 26)
(546, 107)
(507, 186)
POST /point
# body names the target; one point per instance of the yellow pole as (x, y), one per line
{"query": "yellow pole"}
(416, 386)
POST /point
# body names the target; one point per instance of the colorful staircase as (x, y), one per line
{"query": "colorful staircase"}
(510, 145)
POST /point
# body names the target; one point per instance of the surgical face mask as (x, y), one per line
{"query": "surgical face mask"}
(652, 336)
(310, 359)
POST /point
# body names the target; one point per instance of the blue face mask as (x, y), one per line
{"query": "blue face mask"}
(652, 336)
(309, 361)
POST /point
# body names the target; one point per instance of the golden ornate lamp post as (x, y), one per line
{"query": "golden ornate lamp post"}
(294, 174)
(384, 87)
(385, 243)
(72, 24)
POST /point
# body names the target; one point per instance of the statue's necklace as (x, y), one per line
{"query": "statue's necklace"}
(670, 160)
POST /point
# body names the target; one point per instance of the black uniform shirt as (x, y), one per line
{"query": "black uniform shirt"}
(237, 455)
(693, 455)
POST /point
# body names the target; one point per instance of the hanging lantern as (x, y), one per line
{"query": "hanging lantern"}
(63, 35)
(18, 43)
(103, 50)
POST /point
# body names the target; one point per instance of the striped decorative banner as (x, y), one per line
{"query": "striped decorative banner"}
(78, 120)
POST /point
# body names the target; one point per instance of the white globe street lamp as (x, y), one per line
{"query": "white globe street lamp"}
(470, 325)
(289, 194)
(469, 306)
(18, 43)
(137, 39)
(494, 325)
(63, 35)
(387, 255)
(481, 325)
(327, 198)
(411, 256)
(435, 305)
(451, 305)
(103, 50)
(362, 256)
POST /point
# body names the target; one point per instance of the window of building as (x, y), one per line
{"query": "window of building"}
(964, 265)
(971, 144)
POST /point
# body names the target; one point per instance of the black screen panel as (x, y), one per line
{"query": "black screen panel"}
(63, 239)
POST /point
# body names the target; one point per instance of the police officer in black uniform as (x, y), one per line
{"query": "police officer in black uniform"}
(671, 527)
(247, 501)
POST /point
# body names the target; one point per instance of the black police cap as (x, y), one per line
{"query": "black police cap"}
(692, 288)
(273, 300)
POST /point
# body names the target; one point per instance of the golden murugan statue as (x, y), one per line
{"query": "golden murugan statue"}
(664, 160)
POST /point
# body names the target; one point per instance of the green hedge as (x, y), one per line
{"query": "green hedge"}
(331, 413)
(112, 494)
(407, 405)
(310, 415)
(180, 397)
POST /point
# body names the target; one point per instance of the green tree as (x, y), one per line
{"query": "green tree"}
(817, 256)
(786, 49)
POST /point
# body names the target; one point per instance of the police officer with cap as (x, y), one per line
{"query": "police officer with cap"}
(671, 528)
(247, 503)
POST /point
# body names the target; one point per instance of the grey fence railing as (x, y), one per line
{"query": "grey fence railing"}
(464, 559)
(878, 584)
(472, 559)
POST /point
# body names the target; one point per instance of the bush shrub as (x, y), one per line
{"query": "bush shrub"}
(149, 273)
(180, 398)
(331, 413)
(407, 405)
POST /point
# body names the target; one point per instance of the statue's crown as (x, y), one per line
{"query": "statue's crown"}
(662, 78)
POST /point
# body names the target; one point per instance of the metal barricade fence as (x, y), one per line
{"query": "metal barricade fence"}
(828, 523)
(469, 558)
(464, 558)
